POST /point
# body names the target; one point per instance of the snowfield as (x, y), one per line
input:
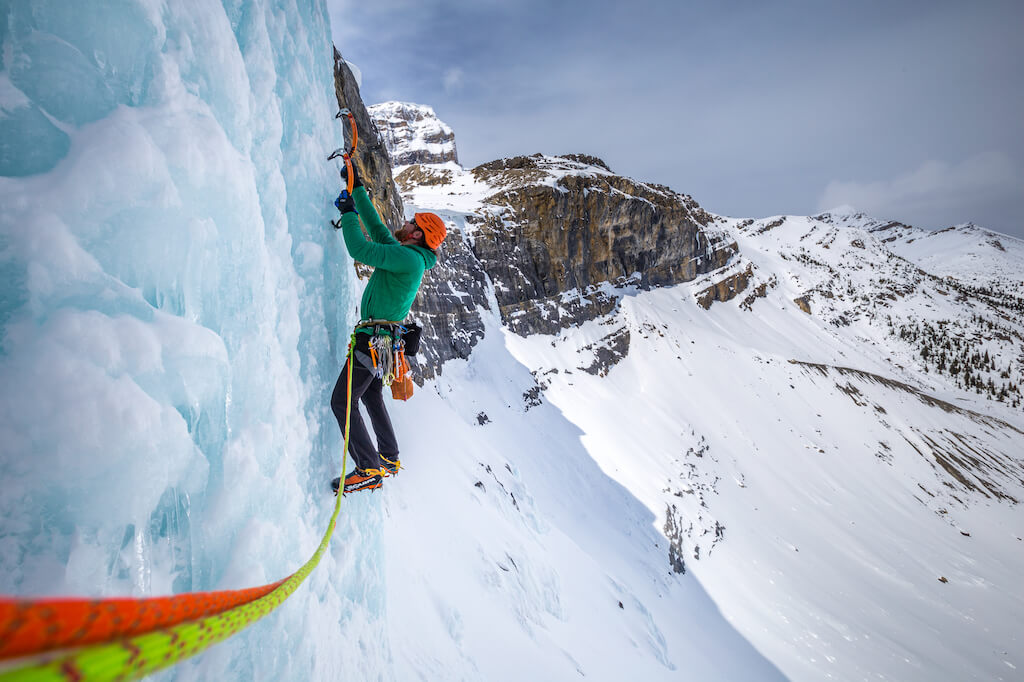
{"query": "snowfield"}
(852, 516)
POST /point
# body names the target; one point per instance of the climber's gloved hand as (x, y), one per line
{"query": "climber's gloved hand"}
(345, 203)
(356, 180)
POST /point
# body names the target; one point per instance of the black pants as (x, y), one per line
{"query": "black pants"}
(369, 389)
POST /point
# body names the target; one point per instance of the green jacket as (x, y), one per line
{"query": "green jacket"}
(398, 269)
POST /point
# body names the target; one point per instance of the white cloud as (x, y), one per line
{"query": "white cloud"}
(453, 79)
(936, 194)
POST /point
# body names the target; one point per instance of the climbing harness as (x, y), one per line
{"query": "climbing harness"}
(131, 638)
(387, 358)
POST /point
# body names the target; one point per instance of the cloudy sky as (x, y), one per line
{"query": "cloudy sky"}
(903, 109)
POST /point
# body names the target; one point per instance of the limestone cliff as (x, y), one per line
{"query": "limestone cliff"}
(371, 152)
(559, 240)
(556, 228)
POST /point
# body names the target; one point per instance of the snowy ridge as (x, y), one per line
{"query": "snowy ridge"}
(829, 485)
(967, 252)
(943, 332)
(451, 187)
(446, 186)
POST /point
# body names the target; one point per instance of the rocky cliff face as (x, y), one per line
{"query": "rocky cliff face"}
(414, 134)
(556, 229)
(371, 152)
(553, 242)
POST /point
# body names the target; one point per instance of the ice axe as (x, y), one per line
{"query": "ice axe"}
(346, 153)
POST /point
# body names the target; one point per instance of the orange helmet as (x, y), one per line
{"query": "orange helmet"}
(433, 228)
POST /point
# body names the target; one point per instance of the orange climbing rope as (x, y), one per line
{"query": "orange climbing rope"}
(34, 626)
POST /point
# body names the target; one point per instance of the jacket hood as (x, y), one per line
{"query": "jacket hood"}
(429, 257)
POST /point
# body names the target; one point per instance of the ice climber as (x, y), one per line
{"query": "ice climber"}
(399, 261)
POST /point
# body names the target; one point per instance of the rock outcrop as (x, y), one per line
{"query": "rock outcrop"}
(371, 152)
(560, 240)
(414, 134)
(558, 234)
(727, 288)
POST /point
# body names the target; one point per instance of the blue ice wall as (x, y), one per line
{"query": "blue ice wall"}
(167, 272)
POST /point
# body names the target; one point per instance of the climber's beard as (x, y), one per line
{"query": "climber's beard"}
(404, 232)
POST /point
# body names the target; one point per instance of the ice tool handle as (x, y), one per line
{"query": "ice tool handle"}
(344, 153)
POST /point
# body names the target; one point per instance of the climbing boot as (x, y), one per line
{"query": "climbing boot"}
(360, 479)
(390, 467)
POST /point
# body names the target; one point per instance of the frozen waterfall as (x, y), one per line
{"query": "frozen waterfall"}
(172, 300)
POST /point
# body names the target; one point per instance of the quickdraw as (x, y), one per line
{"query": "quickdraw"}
(383, 350)
(387, 355)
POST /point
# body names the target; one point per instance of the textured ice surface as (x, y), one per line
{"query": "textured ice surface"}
(170, 306)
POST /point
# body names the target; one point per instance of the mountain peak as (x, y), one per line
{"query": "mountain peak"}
(844, 210)
(574, 163)
(413, 133)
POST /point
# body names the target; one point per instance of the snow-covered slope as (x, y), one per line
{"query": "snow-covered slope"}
(825, 506)
(511, 554)
(849, 503)
(949, 333)
(967, 252)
